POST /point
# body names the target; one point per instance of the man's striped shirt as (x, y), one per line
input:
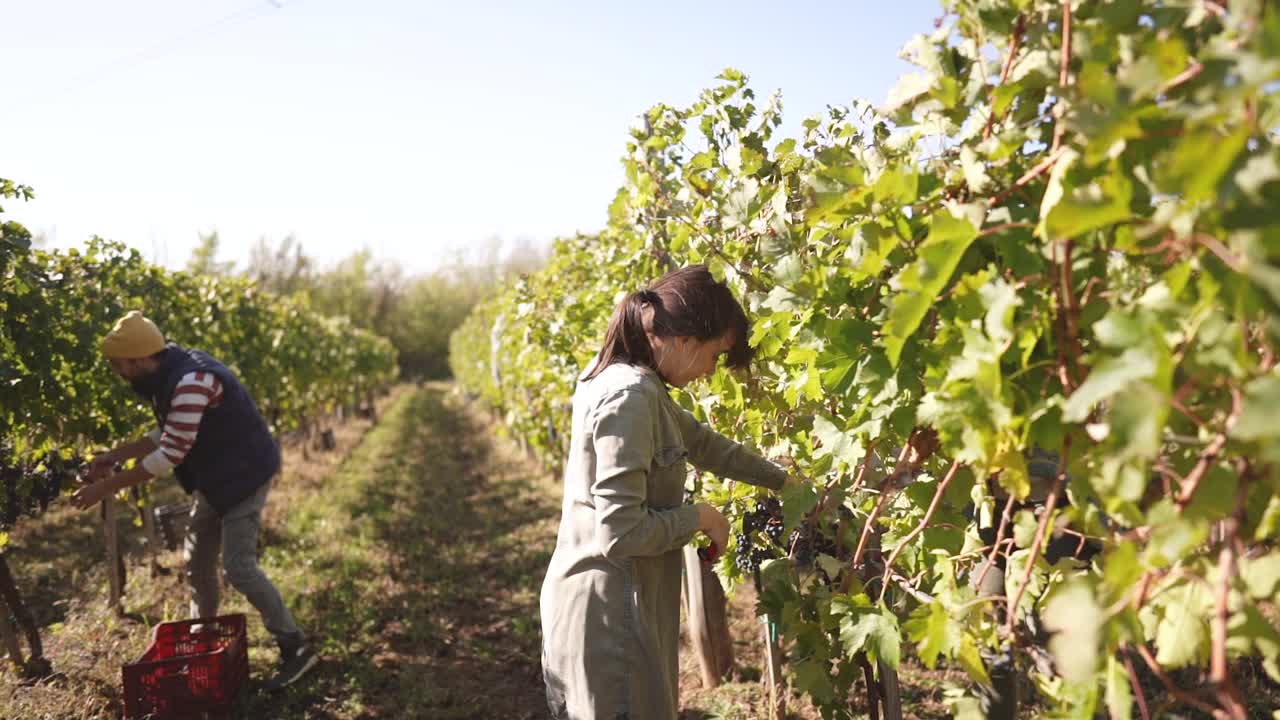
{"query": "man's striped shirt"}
(196, 392)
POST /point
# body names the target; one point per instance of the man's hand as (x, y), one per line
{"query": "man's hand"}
(99, 467)
(92, 494)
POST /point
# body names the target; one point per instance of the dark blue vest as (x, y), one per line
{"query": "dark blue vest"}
(234, 453)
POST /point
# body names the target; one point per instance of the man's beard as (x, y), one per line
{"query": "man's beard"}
(148, 386)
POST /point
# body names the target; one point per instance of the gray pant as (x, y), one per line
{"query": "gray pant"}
(235, 534)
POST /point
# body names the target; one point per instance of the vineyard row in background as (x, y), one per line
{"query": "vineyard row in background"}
(61, 400)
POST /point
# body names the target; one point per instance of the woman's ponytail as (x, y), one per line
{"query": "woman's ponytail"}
(626, 340)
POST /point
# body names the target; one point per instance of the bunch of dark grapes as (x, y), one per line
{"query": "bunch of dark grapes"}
(29, 487)
(10, 502)
(765, 518)
(803, 544)
(750, 555)
(49, 476)
(806, 544)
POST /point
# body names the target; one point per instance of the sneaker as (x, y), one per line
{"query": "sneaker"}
(294, 664)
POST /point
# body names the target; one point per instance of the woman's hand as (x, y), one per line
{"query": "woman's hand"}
(714, 524)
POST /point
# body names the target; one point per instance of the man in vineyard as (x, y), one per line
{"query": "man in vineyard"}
(213, 438)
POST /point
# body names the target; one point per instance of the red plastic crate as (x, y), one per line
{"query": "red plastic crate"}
(193, 669)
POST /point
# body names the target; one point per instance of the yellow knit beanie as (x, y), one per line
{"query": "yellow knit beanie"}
(134, 336)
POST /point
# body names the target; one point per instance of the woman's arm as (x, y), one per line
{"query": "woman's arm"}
(625, 524)
(713, 452)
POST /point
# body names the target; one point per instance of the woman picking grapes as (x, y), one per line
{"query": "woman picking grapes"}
(611, 599)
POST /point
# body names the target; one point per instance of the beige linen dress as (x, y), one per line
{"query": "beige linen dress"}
(611, 599)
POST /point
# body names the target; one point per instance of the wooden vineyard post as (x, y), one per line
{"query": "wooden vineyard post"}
(23, 622)
(873, 687)
(328, 441)
(9, 637)
(708, 627)
(112, 538)
(883, 691)
(146, 509)
(773, 671)
(890, 697)
(775, 686)
(887, 689)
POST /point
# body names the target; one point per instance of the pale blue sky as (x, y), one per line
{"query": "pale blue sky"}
(413, 128)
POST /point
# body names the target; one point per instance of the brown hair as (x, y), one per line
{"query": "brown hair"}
(688, 302)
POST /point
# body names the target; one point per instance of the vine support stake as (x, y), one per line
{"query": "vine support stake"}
(111, 538)
(777, 695)
(26, 624)
(873, 689)
(890, 695)
(9, 638)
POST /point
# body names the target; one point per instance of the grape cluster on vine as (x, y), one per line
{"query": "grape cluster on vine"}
(763, 537)
(765, 519)
(27, 488)
(805, 544)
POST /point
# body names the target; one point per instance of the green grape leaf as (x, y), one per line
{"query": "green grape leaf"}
(1071, 210)
(921, 281)
(1108, 378)
(836, 442)
(970, 659)
(813, 677)
(868, 629)
(1198, 162)
(1261, 576)
(1073, 616)
(1119, 695)
(896, 185)
(1261, 406)
(1182, 636)
(798, 499)
(933, 631)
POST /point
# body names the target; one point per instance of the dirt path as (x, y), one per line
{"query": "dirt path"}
(416, 566)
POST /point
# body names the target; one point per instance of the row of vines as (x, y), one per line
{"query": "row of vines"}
(59, 399)
(1041, 286)
(60, 395)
